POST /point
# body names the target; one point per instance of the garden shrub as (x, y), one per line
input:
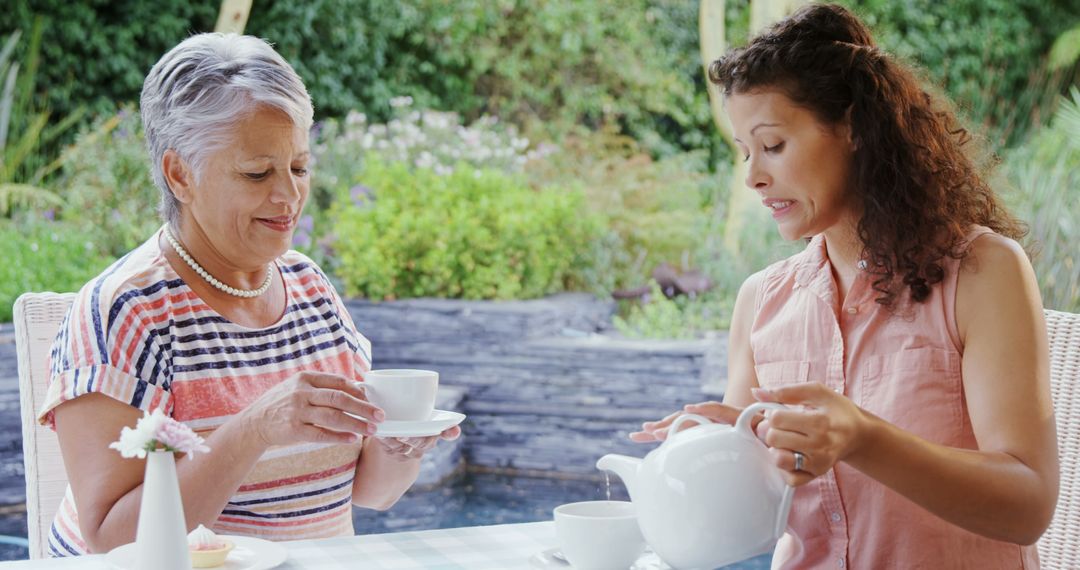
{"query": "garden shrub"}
(986, 54)
(656, 210)
(418, 138)
(106, 185)
(1039, 180)
(44, 256)
(550, 63)
(473, 234)
(97, 53)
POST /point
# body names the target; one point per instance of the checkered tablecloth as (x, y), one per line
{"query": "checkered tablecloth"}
(502, 547)
(497, 547)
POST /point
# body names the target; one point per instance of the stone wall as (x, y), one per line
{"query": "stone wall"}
(548, 388)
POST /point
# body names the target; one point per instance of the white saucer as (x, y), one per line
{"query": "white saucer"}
(553, 559)
(439, 421)
(248, 554)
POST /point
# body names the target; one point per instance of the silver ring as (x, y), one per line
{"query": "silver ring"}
(799, 459)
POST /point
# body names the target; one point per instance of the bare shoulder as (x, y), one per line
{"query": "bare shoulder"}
(746, 300)
(749, 289)
(990, 253)
(995, 273)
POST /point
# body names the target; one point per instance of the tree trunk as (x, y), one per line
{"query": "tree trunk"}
(233, 16)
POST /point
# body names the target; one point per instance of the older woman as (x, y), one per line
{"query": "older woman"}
(217, 322)
(907, 339)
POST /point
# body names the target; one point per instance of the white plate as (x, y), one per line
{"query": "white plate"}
(552, 559)
(248, 554)
(439, 421)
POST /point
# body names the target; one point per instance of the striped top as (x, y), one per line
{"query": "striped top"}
(139, 334)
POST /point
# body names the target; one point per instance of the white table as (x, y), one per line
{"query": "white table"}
(497, 547)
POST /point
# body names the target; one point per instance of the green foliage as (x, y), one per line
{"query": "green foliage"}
(473, 234)
(99, 52)
(43, 256)
(25, 135)
(986, 54)
(545, 64)
(1040, 180)
(656, 210)
(1066, 50)
(678, 318)
(417, 138)
(105, 182)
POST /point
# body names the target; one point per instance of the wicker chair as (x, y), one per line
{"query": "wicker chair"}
(1059, 547)
(37, 318)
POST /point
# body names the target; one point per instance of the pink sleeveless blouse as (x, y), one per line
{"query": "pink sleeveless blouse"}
(905, 368)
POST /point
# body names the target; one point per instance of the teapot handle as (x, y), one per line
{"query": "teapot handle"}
(743, 424)
(679, 421)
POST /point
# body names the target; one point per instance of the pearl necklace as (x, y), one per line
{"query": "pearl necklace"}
(246, 293)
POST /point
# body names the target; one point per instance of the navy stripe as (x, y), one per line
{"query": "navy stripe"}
(61, 542)
(313, 511)
(290, 497)
(218, 365)
(148, 349)
(233, 349)
(140, 391)
(295, 268)
(121, 301)
(219, 335)
(95, 310)
(90, 380)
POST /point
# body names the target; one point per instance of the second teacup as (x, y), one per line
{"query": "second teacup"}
(599, 535)
(404, 394)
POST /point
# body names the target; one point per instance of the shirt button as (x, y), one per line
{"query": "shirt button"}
(835, 517)
(840, 562)
(852, 310)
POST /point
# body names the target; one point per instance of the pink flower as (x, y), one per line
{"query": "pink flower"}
(156, 430)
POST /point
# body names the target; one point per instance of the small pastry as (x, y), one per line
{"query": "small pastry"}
(207, 549)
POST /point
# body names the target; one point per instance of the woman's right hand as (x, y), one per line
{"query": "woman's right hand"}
(658, 430)
(310, 407)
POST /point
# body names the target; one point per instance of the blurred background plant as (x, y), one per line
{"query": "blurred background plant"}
(43, 255)
(108, 191)
(591, 118)
(26, 136)
(471, 233)
(1039, 179)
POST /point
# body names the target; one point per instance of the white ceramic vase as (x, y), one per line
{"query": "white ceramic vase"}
(161, 537)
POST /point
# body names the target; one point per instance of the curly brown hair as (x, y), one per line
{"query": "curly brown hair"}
(920, 192)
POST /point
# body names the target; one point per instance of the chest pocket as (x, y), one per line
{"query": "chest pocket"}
(782, 373)
(917, 389)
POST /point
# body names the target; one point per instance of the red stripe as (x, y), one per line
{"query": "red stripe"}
(298, 479)
(211, 396)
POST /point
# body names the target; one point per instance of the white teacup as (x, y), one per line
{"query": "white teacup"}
(599, 535)
(404, 394)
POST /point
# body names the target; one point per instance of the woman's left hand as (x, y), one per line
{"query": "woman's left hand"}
(821, 425)
(413, 448)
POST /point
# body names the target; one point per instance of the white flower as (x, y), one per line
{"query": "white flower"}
(156, 429)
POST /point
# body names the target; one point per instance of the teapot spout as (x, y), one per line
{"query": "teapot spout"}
(623, 466)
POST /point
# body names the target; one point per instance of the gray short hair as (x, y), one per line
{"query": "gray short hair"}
(201, 88)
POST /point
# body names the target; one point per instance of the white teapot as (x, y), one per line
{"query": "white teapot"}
(708, 496)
